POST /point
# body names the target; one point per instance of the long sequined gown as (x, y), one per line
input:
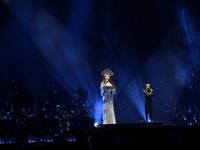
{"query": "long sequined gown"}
(108, 107)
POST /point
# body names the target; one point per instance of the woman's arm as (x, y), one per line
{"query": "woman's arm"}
(102, 88)
(114, 90)
(146, 94)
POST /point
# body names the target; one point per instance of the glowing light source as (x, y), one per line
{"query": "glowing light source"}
(96, 124)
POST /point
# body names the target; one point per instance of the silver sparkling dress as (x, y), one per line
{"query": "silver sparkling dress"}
(108, 107)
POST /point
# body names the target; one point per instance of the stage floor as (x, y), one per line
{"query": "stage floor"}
(132, 125)
(154, 135)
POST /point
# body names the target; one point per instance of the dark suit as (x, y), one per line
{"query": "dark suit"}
(148, 102)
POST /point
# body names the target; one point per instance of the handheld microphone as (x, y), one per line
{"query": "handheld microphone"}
(106, 82)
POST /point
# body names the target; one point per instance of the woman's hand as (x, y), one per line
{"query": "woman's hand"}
(113, 90)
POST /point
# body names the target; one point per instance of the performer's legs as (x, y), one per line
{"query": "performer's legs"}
(151, 117)
(146, 117)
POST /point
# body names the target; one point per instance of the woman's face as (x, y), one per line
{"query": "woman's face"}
(148, 86)
(107, 77)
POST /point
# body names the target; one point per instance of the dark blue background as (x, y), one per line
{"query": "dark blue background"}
(73, 41)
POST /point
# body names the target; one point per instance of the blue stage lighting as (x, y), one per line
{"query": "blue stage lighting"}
(131, 80)
(98, 109)
(192, 39)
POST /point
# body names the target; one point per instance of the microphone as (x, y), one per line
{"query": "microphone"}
(106, 82)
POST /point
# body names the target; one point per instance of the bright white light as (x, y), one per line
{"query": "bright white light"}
(149, 119)
(96, 124)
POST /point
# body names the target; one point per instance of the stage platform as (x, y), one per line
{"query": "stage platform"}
(132, 125)
(146, 135)
(125, 136)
